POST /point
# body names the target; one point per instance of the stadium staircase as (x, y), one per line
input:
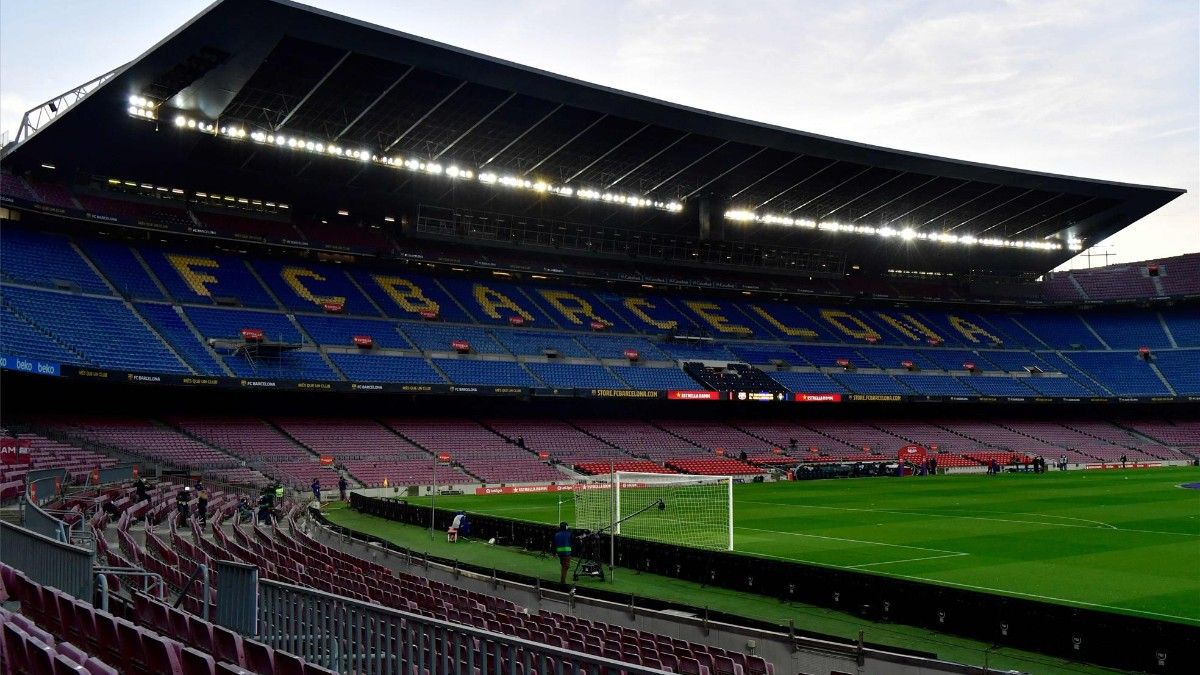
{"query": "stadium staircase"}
(307, 339)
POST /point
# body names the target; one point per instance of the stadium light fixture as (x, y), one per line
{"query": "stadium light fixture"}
(235, 131)
(907, 234)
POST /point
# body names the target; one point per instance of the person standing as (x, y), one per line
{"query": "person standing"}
(142, 490)
(182, 501)
(933, 466)
(1062, 462)
(316, 489)
(343, 487)
(562, 548)
(202, 503)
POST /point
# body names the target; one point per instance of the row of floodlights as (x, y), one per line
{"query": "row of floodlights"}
(299, 144)
(904, 234)
(209, 197)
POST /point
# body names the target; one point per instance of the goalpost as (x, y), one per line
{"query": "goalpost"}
(695, 511)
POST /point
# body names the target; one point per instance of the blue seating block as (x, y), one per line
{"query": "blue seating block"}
(582, 376)
(812, 383)
(379, 368)
(102, 329)
(493, 373)
(437, 337)
(228, 324)
(116, 260)
(175, 331)
(642, 377)
(340, 331)
(40, 258)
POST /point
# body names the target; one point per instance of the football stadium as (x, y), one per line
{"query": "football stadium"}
(327, 348)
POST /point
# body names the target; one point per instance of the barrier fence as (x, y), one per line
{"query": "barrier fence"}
(349, 636)
(47, 561)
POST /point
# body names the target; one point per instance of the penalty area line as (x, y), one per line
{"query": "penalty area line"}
(852, 541)
(893, 562)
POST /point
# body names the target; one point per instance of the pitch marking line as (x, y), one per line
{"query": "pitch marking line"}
(893, 562)
(997, 520)
(853, 541)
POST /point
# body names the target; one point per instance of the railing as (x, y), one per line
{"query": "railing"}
(349, 636)
(47, 561)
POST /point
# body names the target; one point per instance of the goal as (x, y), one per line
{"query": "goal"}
(696, 510)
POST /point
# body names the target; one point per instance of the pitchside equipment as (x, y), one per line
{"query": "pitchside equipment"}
(697, 510)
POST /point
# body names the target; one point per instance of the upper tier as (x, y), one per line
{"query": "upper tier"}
(183, 299)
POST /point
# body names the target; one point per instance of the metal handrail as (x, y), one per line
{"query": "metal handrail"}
(349, 635)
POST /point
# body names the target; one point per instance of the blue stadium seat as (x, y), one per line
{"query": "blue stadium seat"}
(226, 323)
(812, 383)
(286, 366)
(380, 368)
(403, 296)
(182, 338)
(998, 386)
(19, 338)
(892, 357)
(103, 330)
(116, 260)
(1056, 386)
(200, 277)
(614, 346)
(582, 376)
(340, 331)
(643, 377)
(1181, 367)
(307, 286)
(1122, 373)
(870, 383)
(762, 354)
(478, 296)
(1061, 331)
(936, 385)
(1184, 324)
(1129, 331)
(827, 357)
(494, 373)
(1009, 361)
(437, 337)
(41, 259)
(687, 351)
(535, 343)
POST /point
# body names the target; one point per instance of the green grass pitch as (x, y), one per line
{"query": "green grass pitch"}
(1122, 541)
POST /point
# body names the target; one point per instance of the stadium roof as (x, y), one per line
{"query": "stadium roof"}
(294, 95)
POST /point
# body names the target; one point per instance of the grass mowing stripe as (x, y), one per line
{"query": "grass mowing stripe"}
(853, 541)
(1099, 525)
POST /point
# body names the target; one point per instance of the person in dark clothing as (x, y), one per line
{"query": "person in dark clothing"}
(521, 442)
(245, 512)
(933, 466)
(202, 503)
(562, 548)
(316, 489)
(343, 487)
(111, 510)
(743, 456)
(1124, 459)
(265, 501)
(181, 504)
(142, 490)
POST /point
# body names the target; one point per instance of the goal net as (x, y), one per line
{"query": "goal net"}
(696, 510)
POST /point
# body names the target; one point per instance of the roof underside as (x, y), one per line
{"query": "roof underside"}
(277, 66)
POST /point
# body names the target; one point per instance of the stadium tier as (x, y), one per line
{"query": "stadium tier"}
(460, 331)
